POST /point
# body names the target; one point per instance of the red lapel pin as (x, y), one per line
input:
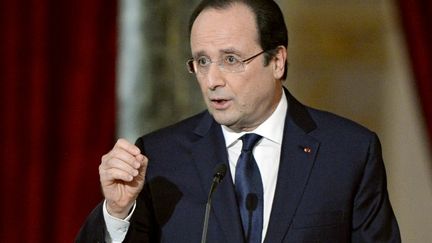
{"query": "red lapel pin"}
(307, 150)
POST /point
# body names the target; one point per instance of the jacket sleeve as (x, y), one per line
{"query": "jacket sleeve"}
(93, 230)
(373, 217)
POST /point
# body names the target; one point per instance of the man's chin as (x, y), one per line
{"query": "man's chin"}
(222, 118)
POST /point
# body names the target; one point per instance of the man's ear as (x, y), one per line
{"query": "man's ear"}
(279, 60)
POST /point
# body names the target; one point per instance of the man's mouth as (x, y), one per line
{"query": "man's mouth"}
(219, 103)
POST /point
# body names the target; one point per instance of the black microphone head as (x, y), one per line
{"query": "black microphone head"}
(251, 202)
(220, 172)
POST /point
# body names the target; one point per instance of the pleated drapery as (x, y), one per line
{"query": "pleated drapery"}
(57, 114)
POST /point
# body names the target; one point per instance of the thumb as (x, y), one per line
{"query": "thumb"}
(143, 168)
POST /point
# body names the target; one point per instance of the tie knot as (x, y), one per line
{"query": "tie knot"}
(249, 141)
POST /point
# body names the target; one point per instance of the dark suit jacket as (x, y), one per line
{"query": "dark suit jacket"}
(331, 185)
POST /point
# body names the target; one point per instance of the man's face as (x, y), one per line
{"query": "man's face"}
(243, 100)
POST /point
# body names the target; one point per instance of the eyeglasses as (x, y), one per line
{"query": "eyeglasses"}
(229, 63)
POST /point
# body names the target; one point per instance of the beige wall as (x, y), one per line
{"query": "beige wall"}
(349, 57)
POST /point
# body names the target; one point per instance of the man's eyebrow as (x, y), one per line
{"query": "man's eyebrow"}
(230, 50)
(222, 51)
(199, 54)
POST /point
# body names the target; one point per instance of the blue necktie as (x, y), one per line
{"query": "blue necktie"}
(249, 190)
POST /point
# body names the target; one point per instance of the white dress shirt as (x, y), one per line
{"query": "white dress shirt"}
(116, 228)
(267, 155)
(266, 152)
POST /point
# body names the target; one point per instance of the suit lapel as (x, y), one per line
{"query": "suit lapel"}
(209, 151)
(297, 160)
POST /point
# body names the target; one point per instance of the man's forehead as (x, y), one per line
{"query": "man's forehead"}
(239, 46)
(224, 30)
(234, 18)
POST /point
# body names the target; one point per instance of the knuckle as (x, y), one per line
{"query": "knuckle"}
(104, 157)
(122, 142)
(102, 175)
(102, 169)
(121, 175)
(115, 153)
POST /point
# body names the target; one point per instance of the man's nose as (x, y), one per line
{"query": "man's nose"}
(215, 77)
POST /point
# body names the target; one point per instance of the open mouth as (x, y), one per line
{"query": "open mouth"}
(219, 103)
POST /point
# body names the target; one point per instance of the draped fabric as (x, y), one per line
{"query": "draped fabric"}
(417, 22)
(57, 113)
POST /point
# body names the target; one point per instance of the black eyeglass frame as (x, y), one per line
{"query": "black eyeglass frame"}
(191, 67)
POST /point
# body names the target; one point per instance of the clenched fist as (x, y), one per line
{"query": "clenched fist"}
(122, 172)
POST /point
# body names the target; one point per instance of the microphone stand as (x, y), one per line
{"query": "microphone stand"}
(219, 175)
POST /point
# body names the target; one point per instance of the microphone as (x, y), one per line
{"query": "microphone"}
(251, 205)
(219, 174)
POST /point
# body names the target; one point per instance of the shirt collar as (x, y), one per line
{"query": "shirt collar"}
(271, 128)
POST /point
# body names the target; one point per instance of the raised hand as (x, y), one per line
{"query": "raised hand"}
(122, 172)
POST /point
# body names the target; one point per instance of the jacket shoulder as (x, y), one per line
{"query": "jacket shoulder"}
(335, 123)
(179, 133)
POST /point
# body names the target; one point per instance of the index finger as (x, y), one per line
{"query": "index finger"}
(129, 147)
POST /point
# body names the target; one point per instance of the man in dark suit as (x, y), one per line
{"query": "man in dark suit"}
(307, 176)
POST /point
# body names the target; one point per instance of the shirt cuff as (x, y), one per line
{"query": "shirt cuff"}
(116, 228)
